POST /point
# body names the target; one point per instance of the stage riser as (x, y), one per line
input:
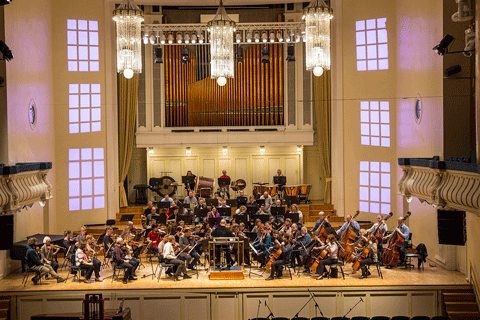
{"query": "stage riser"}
(240, 303)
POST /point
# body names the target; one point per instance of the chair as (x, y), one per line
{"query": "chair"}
(333, 266)
(360, 318)
(117, 271)
(441, 318)
(380, 318)
(317, 318)
(377, 264)
(420, 318)
(74, 270)
(340, 318)
(287, 264)
(280, 318)
(400, 318)
(28, 271)
(163, 265)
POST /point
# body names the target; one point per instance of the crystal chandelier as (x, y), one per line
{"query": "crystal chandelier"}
(128, 18)
(221, 30)
(317, 32)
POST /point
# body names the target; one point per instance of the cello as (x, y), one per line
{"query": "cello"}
(363, 255)
(321, 233)
(378, 232)
(347, 239)
(273, 258)
(317, 259)
(392, 253)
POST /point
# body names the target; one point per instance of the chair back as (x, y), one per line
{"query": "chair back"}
(441, 318)
(319, 318)
(340, 318)
(360, 318)
(420, 318)
(73, 258)
(400, 318)
(380, 318)
(305, 318)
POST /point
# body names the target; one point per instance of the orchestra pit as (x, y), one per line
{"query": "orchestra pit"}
(237, 160)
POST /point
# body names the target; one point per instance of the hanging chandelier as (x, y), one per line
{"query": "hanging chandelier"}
(128, 18)
(317, 32)
(221, 30)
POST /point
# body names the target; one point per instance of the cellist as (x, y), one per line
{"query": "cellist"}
(403, 231)
(350, 222)
(372, 257)
(331, 258)
(286, 246)
(381, 225)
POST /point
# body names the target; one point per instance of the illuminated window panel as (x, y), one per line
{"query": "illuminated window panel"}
(375, 123)
(372, 44)
(84, 103)
(86, 175)
(375, 188)
(82, 45)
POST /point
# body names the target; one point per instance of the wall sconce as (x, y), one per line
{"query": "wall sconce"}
(188, 151)
(262, 149)
(225, 150)
(409, 199)
(299, 149)
(150, 152)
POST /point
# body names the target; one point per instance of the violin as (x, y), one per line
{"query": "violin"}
(89, 252)
(53, 246)
(392, 253)
(348, 237)
(133, 244)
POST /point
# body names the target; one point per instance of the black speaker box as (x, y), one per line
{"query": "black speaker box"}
(6, 232)
(451, 227)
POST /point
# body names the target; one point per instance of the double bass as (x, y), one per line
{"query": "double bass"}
(348, 238)
(378, 232)
(391, 254)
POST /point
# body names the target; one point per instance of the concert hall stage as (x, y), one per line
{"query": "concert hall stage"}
(400, 292)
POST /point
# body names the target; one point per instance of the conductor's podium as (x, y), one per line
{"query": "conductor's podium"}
(223, 271)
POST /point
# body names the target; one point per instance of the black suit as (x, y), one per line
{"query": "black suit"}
(223, 232)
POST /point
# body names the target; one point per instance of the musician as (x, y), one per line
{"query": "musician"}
(148, 210)
(331, 258)
(223, 204)
(360, 244)
(125, 231)
(153, 213)
(242, 228)
(171, 258)
(263, 210)
(178, 231)
(372, 257)
(201, 206)
(382, 226)
(187, 242)
(190, 186)
(172, 215)
(225, 188)
(268, 225)
(241, 210)
(129, 254)
(258, 227)
(108, 242)
(154, 238)
(90, 246)
(68, 240)
(350, 222)
(262, 245)
(166, 199)
(213, 214)
(268, 200)
(299, 244)
(34, 263)
(287, 228)
(84, 263)
(252, 201)
(121, 261)
(276, 267)
(295, 232)
(279, 174)
(48, 253)
(318, 223)
(190, 200)
(241, 199)
(246, 250)
(149, 228)
(403, 231)
(82, 235)
(294, 209)
(223, 232)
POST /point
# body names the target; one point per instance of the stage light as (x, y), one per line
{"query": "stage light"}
(200, 37)
(150, 151)
(299, 149)
(145, 39)
(464, 13)
(442, 47)
(186, 38)
(225, 150)
(287, 36)
(185, 56)
(158, 55)
(179, 37)
(264, 37)
(257, 36)
(238, 37)
(239, 55)
(272, 37)
(221, 81)
(193, 38)
(280, 36)
(249, 36)
(291, 52)
(265, 55)
(128, 73)
(162, 38)
(188, 151)
(170, 38)
(152, 39)
(297, 37)
(4, 2)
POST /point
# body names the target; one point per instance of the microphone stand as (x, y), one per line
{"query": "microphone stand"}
(316, 304)
(361, 300)
(296, 315)
(258, 309)
(270, 316)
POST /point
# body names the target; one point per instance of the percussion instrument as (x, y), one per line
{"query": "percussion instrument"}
(163, 186)
(238, 185)
(272, 190)
(291, 191)
(304, 192)
(204, 187)
(258, 190)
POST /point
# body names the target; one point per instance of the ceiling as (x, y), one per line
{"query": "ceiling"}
(209, 2)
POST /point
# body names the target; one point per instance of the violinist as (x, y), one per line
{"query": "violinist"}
(91, 248)
(287, 227)
(34, 262)
(318, 223)
(241, 228)
(68, 240)
(403, 231)
(262, 245)
(372, 256)
(153, 238)
(381, 225)
(171, 258)
(263, 210)
(82, 261)
(241, 210)
(187, 242)
(295, 232)
(129, 253)
(48, 253)
(276, 267)
(331, 258)
(275, 221)
(268, 225)
(108, 242)
(83, 233)
(172, 215)
(121, 261)
(350, 222)
(258, 227)
(268, 200)
(299, 244)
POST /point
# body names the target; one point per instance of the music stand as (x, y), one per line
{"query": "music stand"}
(251, 235)
(293, 216)
(212, 202)
(277, 211)
(263, 217)
(231, 202)
(126, 217)
(188, 180)
(214, 221)
(162, 220)
(280, 180)
(224, 212)
(164, 204)
(260, 202)
(223, 182)
(241, 218)
(241, 201)
(187, 218)
(252, 210)
(202, 213)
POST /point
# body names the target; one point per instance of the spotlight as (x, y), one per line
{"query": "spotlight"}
(238, 37)
(4, 2)
(170, 38)
(291, 52)
(162, 38)
(145, 39)
(264, 37)
(287, 36)
(225, 150)
(152, 39)
(186, 38)
(469, 41)
(200, 37)
(179, 37)
(299, 149)
(185, 56)
(262, 149)
(464, 13)
(188, 151)
(158, 55)
(249, 36)
(280, 36)
(272, 37)
(257, 36)
(298, 37)
(239, 55)
(221, 81)
(193, 38)
(150, 151)
(265, 55)
(452, 70)
(442, 48)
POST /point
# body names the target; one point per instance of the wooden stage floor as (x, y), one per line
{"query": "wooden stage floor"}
(397, 277)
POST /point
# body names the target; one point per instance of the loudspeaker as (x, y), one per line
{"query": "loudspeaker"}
(451, 227)
(6, 232)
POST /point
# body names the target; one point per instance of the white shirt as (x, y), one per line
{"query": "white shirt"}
(168, 251)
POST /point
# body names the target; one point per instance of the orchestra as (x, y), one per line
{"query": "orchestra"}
(273, 241)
